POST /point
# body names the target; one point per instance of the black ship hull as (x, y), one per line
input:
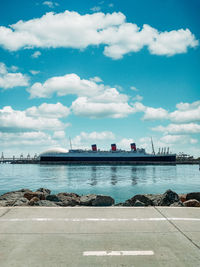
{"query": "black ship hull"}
(103, 160)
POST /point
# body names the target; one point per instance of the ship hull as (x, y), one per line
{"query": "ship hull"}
(104, 160)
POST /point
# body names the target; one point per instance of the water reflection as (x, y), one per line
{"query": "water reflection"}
(113, 175)
(134, 177)
(93, 176)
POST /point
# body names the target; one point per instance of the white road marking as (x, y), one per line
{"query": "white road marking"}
(95, 219)
(119, 253)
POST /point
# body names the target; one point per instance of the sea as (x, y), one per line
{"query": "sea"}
(120, 182)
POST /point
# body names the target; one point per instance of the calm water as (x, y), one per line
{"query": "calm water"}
(120, 182)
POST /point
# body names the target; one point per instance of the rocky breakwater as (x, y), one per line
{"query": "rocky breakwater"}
(169, 198)
(43, 197)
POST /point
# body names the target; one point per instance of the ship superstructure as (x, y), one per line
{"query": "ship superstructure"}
(114, 155)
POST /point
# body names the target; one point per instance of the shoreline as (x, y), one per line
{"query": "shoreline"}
(43, 197)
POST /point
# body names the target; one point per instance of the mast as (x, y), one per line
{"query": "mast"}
(70, 142)
(153, 151)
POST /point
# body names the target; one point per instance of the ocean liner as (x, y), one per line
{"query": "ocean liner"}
(114, 155)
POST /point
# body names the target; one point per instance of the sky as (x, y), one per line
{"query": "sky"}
(99, 72)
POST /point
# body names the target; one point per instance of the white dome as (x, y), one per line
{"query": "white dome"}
(55, 150)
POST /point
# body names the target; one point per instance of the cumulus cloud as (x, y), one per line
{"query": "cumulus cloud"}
(21, 121)
(84, 106)
(34, 72)
(48, 110)
(85, 139)
(96, 79)
(125, 143)
(189, 128)
(186, 112)
(133, 88)
(137, 98)
(70, 29)
(94, 98)
(10, 80)
(50, 4)
(95, 8)
(36, 54)
(59, 135)
(181, 139)
(65, 85)
(151, 113)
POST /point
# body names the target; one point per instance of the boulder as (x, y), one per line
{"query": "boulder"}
(168, 198)
(33, 200)
(30, 195)
(21, 202)
(45, 203)
(45, 191)
(193, 195)
(53, 198)
(145, 199)
(68, 199)
(182, 197)
(10, 198)
(96, 200)
(177, 204)
(191, 203)
(138, 204)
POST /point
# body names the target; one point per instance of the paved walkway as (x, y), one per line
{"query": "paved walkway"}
(117, 236)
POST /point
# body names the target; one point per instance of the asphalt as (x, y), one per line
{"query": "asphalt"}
(113, 236)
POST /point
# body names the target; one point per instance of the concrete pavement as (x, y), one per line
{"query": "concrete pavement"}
(112, 236)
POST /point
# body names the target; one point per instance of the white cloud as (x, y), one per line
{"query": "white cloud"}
(36, 54)
(133, 88)
(125, 143)
(95, 8)
(173, 42)
(70, 29)
(169, 139)
(190, 128)
(186, 112)
(137, 98)
(59, 135)
(84, 106)
(65, 85)
(19, 121)
(34, 72)
(84, 140)
(48, 111)
(10, 80)
(94, 99)
(151, 113)
(96, 79)
(50, 4)
(14, 68)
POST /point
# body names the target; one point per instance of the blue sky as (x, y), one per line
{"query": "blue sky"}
(99, 72)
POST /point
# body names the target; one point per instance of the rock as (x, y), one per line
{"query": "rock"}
(33, 201)
(191, 203)
(68, 199)
(193, 195)
(21, 202)
(177, 204)
(168, 198)
(45, 191)
(30, 195)
(96, 200)
(145, 199)
(182, 197)
(53, 198)
(10, 198)
(45, 203)
(139, 204)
